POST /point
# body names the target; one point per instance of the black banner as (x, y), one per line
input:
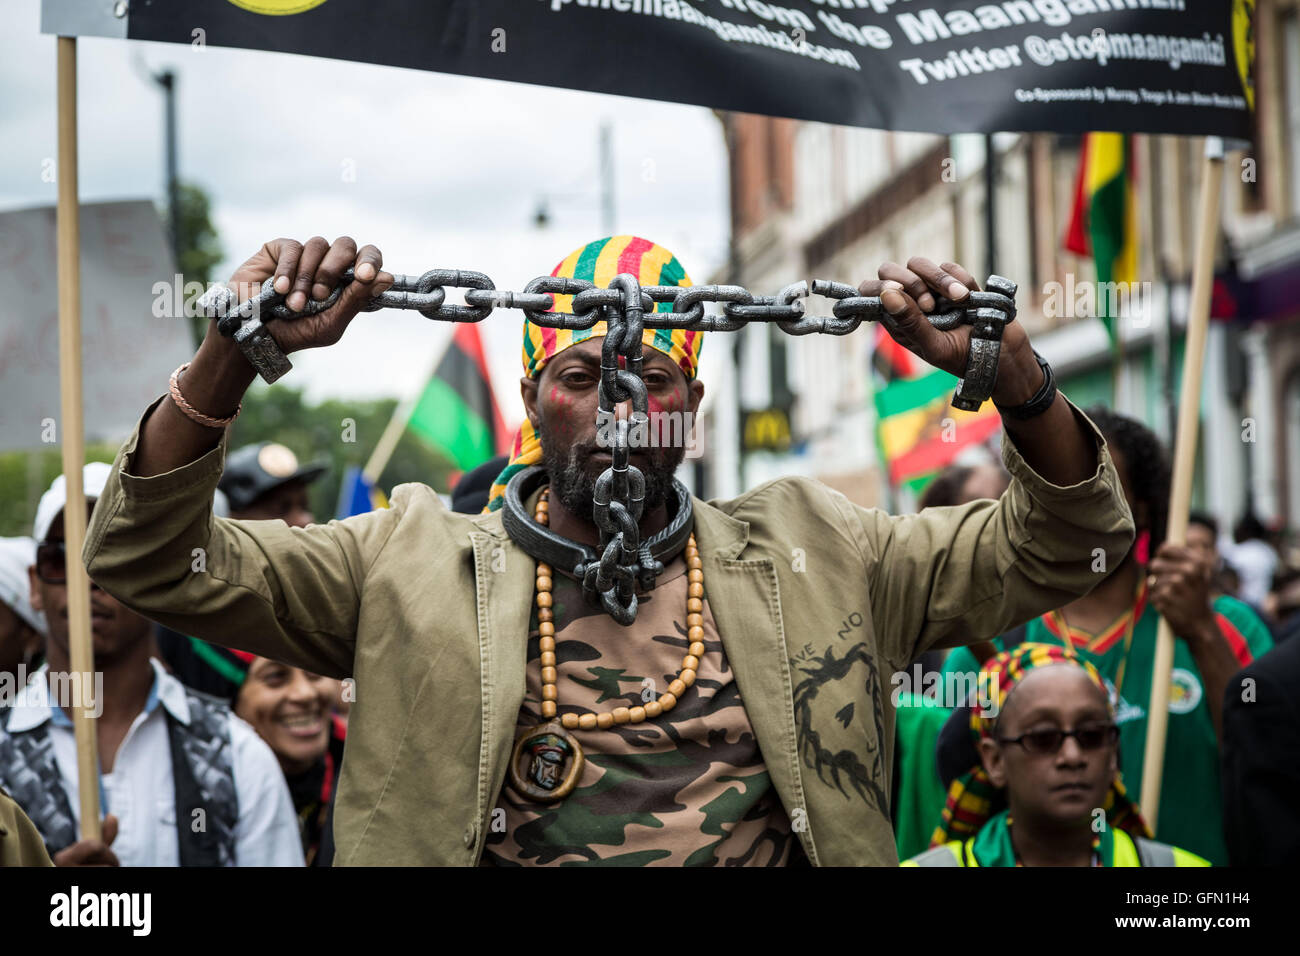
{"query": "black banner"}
(948, 66)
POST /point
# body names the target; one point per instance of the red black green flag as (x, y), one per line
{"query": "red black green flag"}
(457, 413)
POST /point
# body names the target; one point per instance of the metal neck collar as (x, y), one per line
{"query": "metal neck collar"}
(575, 559)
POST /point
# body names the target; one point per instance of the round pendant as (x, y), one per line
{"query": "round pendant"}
(546, 763)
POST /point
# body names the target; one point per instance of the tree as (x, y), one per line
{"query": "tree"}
(24, 476)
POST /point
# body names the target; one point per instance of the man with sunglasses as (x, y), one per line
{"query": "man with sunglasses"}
(222, 801)
(1033, 773)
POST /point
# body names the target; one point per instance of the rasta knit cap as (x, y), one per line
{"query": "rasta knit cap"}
(599, 262)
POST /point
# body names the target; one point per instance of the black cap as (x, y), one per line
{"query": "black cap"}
(254, 470)
(470, 496)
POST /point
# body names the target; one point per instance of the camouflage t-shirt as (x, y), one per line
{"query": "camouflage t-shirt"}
(688, 788)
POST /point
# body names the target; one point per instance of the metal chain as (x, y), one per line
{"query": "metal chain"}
(988, 311)
(628, 308)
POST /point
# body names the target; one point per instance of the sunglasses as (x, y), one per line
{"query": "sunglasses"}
(51, 562)
(1043, 742)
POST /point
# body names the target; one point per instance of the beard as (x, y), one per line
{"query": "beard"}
(573, 484)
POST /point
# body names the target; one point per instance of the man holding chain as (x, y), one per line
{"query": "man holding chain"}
(740, 719)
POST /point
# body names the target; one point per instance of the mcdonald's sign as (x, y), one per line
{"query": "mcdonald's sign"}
(767, 429)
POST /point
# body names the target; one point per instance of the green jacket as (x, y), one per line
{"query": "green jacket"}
(817, 601)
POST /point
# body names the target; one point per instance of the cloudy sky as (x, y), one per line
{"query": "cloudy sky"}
(436, 170)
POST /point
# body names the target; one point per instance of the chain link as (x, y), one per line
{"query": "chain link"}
(628, 308)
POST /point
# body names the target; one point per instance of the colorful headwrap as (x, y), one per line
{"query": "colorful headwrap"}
(599, 262)
(972, 797)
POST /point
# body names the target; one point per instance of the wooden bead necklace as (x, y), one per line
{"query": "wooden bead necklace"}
(537, 766)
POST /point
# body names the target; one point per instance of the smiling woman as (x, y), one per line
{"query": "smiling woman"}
(296, 713)
(290, 709)
(293, 710)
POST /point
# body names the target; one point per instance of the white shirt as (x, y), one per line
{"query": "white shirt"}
(140, 791)
(1255, 562)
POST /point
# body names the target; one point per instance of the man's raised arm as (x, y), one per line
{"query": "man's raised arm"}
(957, 575)
(153, 543)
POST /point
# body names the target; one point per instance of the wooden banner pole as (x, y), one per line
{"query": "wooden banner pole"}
(74, 513)
(1198, 321)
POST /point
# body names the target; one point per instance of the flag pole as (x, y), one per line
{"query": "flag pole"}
(81, 651)
(1117, 364)
(1198, 321)
(397, 424)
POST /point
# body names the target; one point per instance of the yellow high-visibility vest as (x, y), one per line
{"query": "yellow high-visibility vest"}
(1128, 852)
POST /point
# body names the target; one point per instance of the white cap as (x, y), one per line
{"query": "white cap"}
(16, 556)
(93, 478)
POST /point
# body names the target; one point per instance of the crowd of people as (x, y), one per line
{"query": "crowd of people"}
(250, 746)
(1227, 776)
(233, 755)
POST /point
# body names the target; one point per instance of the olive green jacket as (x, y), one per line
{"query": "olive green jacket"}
(20, 841)
(818, 603)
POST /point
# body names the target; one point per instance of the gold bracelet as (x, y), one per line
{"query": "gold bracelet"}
(190, 412)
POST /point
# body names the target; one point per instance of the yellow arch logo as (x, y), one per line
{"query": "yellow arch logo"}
(277, 8)
(767, 429)
(1243, 45)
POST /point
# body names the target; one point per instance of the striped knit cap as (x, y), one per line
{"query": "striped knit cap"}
(972, 797)
(599, 262)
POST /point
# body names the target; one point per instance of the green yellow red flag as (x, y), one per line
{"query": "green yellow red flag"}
(1103, 223)
(918, 432)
